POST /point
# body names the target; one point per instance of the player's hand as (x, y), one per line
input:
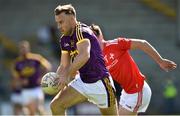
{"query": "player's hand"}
(167, 65)
(63, 81)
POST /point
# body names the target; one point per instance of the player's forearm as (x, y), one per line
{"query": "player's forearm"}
(58, 71)
(48, 66)
(151, 51)
(78, 62)
(61, 70)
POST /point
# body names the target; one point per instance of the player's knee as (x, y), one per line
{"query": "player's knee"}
(53, 105)
(56, 105)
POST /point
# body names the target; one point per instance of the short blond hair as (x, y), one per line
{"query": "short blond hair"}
(67, 9)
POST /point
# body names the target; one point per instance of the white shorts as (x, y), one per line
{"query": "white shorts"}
(136, 102)
(16, 98)
(34, 94)
(100, 93)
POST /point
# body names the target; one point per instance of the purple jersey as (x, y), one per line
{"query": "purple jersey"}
(94, 69)
(29, 68)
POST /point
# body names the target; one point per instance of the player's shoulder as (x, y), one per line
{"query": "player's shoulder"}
(17, 59)
(65, 42)
(63, 36)
(115, 41)
(122, 40)
(34, 56)
(83, 28)
(111, 42)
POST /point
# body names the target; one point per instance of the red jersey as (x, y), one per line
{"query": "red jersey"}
(121, 65)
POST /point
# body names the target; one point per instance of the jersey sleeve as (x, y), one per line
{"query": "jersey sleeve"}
(124, 43)
(82, 33)
(43, 62)
(65, 46)
(14, 72)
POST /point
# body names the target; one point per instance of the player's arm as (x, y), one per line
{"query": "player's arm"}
(64, 63)
(14, 73)
(15, 77)
(152, 52)
(45, 63)
(83, 56)
(62, 69)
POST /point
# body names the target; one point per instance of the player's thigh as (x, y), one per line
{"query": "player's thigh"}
(123, 111)
(68, 97)
(39, 97)
(113, 110)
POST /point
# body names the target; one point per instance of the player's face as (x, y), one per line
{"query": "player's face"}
(64, 23)
(24, 48)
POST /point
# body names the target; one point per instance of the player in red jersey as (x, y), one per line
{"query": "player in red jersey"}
(136, 93)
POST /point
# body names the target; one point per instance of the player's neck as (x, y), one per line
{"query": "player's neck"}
(24, 55)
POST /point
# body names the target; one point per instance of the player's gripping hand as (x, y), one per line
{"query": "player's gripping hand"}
(63, 81)
(167, 65)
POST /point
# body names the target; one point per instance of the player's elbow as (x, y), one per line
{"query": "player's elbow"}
(49, 67)
(144, 41)
(142, 44)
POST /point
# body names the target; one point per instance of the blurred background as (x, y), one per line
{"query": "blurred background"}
(157, 21)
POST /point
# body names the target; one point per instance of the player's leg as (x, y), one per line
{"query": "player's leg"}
(123, 111)
(17, 109)
(40, 107)
(29, 100)
(112, 110)
(65, 99)
(131, 104)
(118, 90)
(112, 107)
(31, 106)
(39, 97)
(146, 98)
(16, 100)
